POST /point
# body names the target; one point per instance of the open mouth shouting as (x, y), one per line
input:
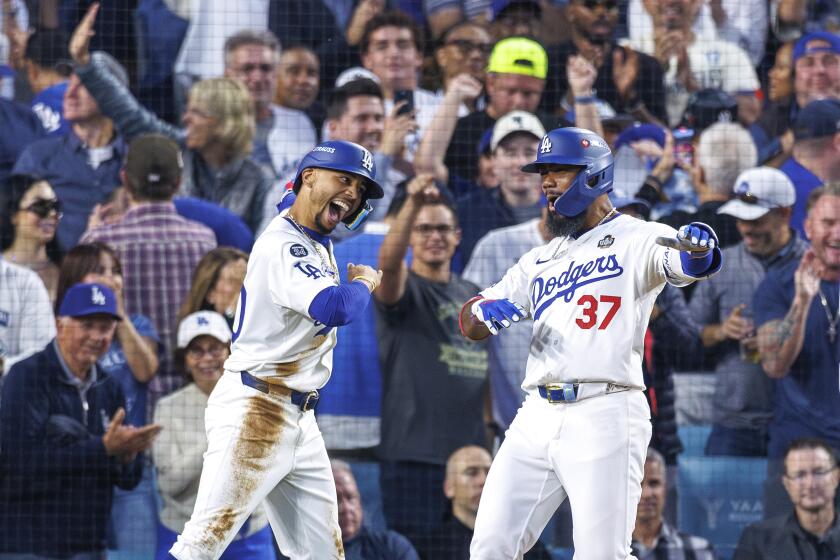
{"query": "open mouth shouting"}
(337, 210)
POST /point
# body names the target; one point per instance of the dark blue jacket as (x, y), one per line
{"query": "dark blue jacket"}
(56, 480)
(372, 544)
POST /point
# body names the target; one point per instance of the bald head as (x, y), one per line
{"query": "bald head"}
(466, 471)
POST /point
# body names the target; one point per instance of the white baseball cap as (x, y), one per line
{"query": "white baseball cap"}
(757, 191)
(203, 323)
(355, 73)
(516, 121)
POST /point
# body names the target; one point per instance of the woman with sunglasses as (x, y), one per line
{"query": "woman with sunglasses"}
(132, 360)
(203, 346)
(27, 229)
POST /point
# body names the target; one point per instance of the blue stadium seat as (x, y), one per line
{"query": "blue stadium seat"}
(694, 439)
(719, 496)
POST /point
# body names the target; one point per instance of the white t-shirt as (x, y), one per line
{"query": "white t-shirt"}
(590, 300)
(211, 23)
(715, 63)
(26, 318)
(275, 338)
(425, 103)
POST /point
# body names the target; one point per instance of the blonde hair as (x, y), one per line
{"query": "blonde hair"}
(205, 276)
(229, 101)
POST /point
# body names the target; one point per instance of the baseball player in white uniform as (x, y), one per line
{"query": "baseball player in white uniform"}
(584, 427)
(264, 444)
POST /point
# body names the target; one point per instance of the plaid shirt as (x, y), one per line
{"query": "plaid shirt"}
(158, 250)
(673, 545)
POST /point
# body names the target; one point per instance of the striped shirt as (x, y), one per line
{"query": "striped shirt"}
(158, 250)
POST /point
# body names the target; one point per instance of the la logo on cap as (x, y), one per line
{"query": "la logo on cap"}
(96, 296)
(203, 322)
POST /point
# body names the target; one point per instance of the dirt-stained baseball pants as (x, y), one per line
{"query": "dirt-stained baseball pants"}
(262, 448)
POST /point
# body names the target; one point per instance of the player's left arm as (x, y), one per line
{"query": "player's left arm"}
(692, 254)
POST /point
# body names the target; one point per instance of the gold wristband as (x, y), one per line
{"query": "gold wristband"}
(367, 281)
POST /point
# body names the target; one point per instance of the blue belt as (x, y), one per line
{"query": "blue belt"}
(306, 401)
(560, 392)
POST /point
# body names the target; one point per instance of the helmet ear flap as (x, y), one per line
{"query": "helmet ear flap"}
(355, 220)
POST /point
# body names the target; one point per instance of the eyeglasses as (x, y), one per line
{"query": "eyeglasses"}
(248, 68)
(44, 206)
(429, 229)
(608, 5)
(196, 353)
(466, 46)
(799, 476)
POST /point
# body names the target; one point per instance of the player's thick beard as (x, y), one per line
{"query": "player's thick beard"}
(561, 226)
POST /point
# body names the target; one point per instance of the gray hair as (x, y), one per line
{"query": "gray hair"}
(339, 465)
(829, 189)
(262, 38)
(724, 151)
(656, 457)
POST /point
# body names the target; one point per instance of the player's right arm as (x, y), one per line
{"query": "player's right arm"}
(498, 307)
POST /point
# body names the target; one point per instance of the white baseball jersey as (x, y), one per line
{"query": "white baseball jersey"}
(590, 299)
(274, 336)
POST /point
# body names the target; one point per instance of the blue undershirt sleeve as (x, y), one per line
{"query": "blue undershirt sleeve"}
(339, 305)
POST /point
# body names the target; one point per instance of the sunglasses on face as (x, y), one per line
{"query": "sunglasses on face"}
(466, 46)
(44, 206)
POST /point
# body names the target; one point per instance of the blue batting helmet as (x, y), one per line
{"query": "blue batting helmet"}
(340, 155)
(582, 148)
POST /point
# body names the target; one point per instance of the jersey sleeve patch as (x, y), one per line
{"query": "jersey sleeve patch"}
(298, 251)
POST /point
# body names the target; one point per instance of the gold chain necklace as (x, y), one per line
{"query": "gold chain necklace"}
(329, 266)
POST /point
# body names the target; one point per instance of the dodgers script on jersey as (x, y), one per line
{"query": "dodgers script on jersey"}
(269, 311)
(590, 299)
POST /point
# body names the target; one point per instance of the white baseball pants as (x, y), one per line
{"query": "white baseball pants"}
(592, 451)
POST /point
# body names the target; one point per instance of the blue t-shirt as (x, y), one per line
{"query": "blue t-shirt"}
(114, 363)
(808, 396)
(355, 387)
(48, 105)
(804, 181)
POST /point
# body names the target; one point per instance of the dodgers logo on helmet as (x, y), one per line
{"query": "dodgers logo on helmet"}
(545, 145)
(367, 160)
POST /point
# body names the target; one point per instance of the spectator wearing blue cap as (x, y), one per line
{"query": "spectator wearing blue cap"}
(48, 68)
(816, 153)
(815, 64)
(65, 446)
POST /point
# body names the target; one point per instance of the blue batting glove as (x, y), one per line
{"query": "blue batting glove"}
(697, 239)
(497, 313)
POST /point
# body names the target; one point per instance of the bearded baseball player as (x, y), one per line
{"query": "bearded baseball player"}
(584, 427)
(264, 444)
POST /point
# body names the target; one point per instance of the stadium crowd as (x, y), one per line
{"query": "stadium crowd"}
(145, 145)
